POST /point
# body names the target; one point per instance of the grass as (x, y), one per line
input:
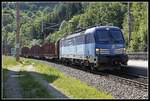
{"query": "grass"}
(32, 88)
(77, 89)
(68, 85)
(8, 61)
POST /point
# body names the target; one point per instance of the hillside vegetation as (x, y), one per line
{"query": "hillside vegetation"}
(70, 17)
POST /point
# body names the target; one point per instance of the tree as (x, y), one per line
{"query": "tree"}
(139, 27)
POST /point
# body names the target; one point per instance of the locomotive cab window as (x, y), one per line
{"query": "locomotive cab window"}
(117, 36)
(102, 36)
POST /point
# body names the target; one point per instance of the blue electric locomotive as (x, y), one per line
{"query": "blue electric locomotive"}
(94, 47)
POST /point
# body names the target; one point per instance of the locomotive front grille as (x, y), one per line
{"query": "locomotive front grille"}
(119, 51)
(104, 51)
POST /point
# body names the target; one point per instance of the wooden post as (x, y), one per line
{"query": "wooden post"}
(17, 33)
(129, 24)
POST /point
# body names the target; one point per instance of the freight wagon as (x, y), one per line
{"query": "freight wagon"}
(25, 51)
(35, 51)
(48, 51)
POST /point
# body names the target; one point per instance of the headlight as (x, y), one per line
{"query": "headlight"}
(97, 51)
(120, 50)
(124, 50)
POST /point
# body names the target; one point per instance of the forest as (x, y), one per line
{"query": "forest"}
(48, 22)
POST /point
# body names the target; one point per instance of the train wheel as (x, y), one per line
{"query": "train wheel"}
(82, 65)
(67, 63)
(92, 67)
(124, 63)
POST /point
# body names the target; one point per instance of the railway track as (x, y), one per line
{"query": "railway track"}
(135, 83)
(138, 55)
(140, 82)
(126, 79)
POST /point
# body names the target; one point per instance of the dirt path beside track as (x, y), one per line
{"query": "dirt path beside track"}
(13, 90)
(11, 85)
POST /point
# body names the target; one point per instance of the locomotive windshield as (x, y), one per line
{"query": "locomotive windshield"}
(117, 36)
(102, 36)
(109, 36)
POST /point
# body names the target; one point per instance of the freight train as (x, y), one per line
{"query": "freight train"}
(92, 47)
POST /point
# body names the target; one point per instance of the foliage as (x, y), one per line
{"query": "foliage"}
(30, 22)
(71, 17)
(102, 14)
(94, 14)
(139, 27)
(112, 14)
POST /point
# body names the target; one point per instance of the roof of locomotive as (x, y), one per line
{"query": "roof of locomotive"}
(90, 30)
